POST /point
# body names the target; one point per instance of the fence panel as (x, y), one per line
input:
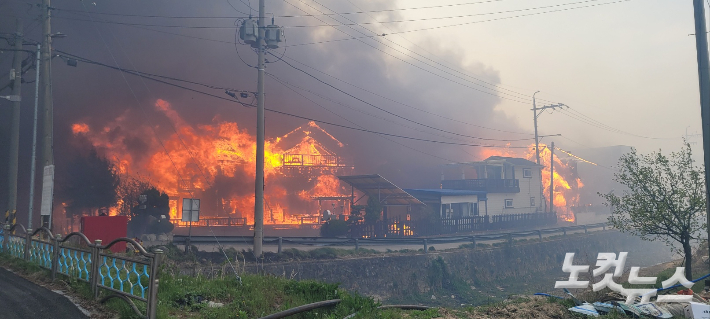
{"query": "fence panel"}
(126, 277)
(41, 253)
(16, 246)
(75, 263)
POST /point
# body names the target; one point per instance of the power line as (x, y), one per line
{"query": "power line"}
(497, 93)
(455, 25)
(387, 111)
(588, 121)
(594, 123)
(408, 62)
(395, 21)
(455, 69)
(353, 23)
(291, 86)
(135, 97)
(371, 92)
(278, 16)
(352, 122)
(66, 54)
(514, 96)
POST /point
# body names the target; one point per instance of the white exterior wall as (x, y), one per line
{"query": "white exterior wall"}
(459, 199)
(529, 187)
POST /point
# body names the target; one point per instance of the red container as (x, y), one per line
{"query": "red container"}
(106, 228)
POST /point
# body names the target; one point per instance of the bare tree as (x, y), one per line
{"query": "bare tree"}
(665, 199)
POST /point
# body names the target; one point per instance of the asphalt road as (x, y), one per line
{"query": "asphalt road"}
(21, 299)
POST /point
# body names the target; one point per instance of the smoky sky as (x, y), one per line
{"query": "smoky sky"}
(96, 95)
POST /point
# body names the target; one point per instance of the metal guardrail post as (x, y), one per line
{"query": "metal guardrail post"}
(6, 237)
(28, 242)
(539, 235)
(95, 260)
(426, 249)
(585, 228)
(564, 231)
(357, 244)
(280, 244)
(152, 304)
(473, 242)
(55, 255)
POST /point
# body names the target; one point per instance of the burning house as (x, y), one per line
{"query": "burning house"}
(508, 185)
(215, 162)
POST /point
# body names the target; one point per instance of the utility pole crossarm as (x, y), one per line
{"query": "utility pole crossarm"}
(551, 106)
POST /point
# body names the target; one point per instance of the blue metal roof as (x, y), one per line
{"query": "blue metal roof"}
(447, 192)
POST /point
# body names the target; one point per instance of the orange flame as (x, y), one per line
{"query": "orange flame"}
(79, 128)
(216, 161)
(565, 181)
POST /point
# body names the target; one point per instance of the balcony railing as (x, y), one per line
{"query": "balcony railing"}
(486, 185)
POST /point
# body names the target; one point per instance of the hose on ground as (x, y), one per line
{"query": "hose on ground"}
(303, 308)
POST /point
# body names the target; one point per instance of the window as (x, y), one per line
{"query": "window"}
(527, 173)
(508, 203)
(532, 201)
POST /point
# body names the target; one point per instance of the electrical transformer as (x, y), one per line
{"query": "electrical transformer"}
(249, 32)
(274, 35)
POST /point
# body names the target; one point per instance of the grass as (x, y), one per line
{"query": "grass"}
(251, 296)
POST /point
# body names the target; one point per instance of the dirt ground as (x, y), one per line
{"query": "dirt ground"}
(532, 307)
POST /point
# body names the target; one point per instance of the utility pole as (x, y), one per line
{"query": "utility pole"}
(701, 46)
(552, 177)
(47, 107)
(261, 37)
(15, 133)
(537, 148)
(259, 185)
(33, 164)
(537, 114)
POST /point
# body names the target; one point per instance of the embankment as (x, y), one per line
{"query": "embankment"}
(468, 276)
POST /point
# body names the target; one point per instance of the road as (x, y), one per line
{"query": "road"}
(21, 299)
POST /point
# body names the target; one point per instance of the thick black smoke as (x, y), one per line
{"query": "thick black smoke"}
(96, 95)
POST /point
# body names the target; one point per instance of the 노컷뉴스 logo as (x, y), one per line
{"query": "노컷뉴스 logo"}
(605, 261)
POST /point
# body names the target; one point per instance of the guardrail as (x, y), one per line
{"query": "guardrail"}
(125, 277)
(356, 242)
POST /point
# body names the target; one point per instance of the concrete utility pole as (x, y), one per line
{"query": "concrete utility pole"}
(552, 177)
(701, 45)
(46, 97)
(537, 114)
(15, 133)
(33, 164)
(537, 148)
(261, 37)
(259, 185)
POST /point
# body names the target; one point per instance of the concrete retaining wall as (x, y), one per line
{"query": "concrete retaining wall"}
(519, 268)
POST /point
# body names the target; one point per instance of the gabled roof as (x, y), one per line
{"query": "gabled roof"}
(377, 186)
(309, 139)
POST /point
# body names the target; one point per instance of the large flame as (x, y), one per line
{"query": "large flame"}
(566, 183)
(217, 164)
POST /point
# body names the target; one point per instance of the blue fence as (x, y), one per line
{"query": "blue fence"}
(125, 277)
